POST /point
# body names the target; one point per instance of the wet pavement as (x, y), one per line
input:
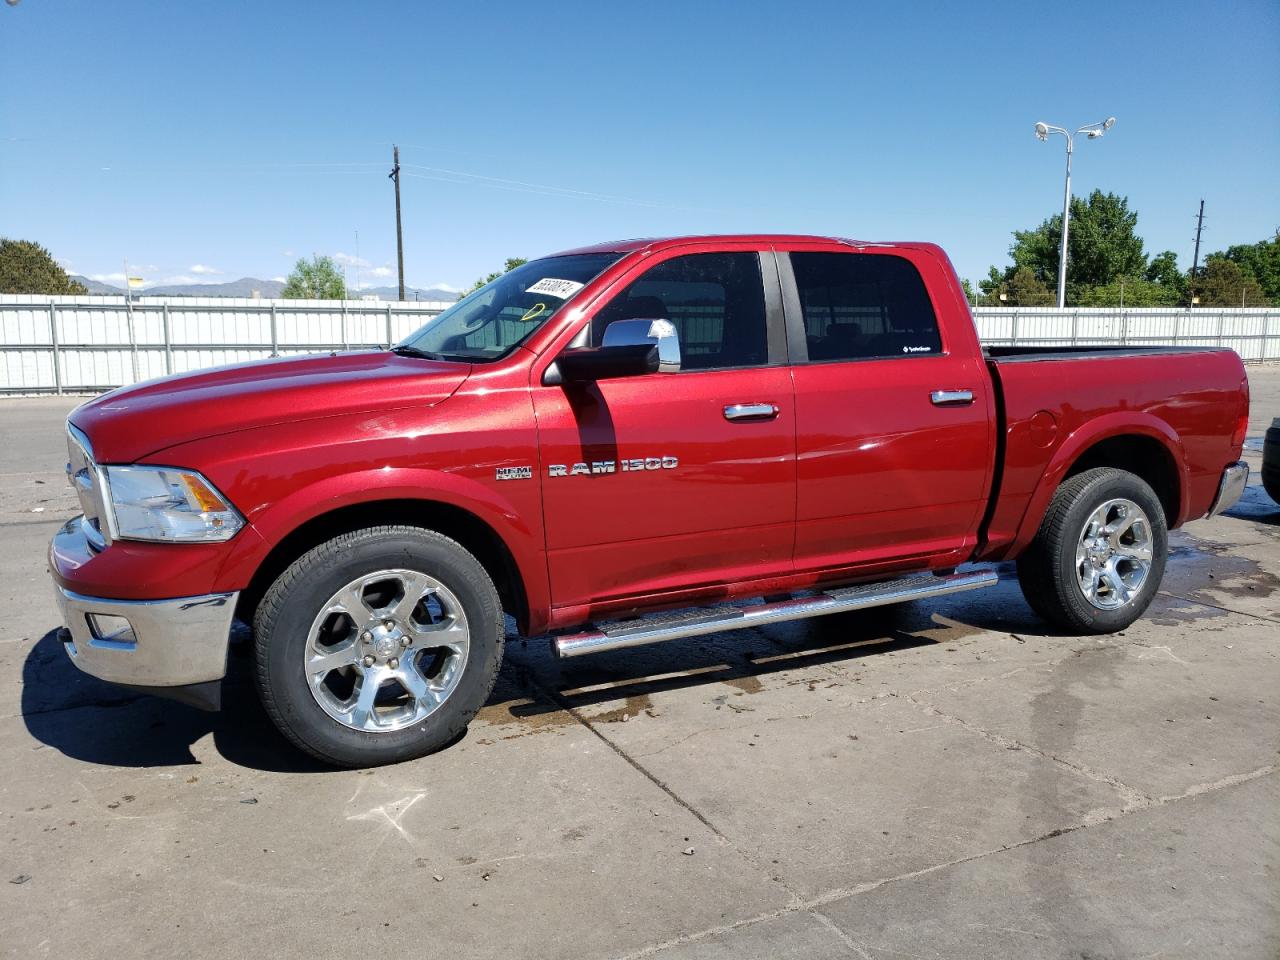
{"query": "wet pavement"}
(942, 779)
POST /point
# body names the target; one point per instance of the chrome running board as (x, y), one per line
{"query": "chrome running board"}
(704, 620)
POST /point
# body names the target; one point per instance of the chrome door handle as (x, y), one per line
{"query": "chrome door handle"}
(751, 411)
(951, 398)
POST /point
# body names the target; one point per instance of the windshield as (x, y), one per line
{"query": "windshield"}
(491, 322)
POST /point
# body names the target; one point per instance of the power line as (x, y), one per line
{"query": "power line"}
(569, 191)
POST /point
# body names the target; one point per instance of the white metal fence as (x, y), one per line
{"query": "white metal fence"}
(1254, 333)
(89, 344)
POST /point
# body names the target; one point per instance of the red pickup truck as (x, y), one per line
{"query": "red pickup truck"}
(619, 445)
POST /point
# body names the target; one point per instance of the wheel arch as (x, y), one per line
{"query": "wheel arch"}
(1143, 456)
(475, 535)
(1139, 443)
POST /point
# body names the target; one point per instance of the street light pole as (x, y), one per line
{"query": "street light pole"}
(1066, 229)
(1094, 131)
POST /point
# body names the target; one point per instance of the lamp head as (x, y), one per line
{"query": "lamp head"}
(1042, 132)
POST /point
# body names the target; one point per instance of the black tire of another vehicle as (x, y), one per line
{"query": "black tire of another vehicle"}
(285, 616)
(1047, 571)
(1271, 461)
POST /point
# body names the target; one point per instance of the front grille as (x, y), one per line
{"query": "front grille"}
(86, 480)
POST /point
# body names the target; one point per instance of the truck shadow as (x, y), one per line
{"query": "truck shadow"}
(741, 658)
(96, 722)
(1255, 505)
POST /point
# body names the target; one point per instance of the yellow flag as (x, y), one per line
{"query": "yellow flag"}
(136, 282)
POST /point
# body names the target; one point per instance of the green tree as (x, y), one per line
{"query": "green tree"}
(511, 264)
(1103, 246)
(1261, 261)
(316, 279)
(1131, 292)
(1163, 270)
(1021, 289)
(1224, 283)
(969, 296)
(27, 267)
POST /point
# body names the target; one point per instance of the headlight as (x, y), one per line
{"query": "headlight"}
(167, 504)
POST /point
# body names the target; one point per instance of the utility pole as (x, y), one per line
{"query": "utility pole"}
(395, 176)
(1195, 260)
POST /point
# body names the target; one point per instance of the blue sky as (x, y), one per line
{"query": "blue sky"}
(210, 141)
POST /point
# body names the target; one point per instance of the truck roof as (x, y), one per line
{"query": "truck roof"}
(659, 243)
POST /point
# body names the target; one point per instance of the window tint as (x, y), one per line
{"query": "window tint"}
(856, 306)
(715, 300)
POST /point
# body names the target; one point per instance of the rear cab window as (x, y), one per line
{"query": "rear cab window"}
(857, 306)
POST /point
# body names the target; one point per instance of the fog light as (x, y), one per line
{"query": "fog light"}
(111, 629)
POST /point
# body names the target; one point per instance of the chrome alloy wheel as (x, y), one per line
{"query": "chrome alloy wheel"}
(387, 650)
(1113, 554)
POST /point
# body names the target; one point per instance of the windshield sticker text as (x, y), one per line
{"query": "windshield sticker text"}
(564, 289)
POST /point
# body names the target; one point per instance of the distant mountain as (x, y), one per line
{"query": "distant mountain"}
(244, 287)
(410, 293)
(96, 288)
(267, 289)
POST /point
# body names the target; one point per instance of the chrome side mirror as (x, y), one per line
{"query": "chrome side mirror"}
(630, 348)
(660, 333)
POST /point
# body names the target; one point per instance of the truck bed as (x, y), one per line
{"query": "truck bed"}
(1163, 406)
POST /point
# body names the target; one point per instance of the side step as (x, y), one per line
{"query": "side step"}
(700, 621)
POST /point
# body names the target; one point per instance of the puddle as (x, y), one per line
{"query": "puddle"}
(632, 708)
(747, 684)
(1224, 571)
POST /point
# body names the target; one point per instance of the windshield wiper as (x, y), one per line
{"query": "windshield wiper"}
(404, 350)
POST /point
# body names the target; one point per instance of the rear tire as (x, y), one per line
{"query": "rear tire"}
(1271, 460)
(378, 646)
(1096, 563)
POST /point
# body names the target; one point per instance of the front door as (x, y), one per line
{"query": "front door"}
(661, 483)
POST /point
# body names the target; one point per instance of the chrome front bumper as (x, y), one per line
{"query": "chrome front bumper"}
(1234, 479)
(173, 643)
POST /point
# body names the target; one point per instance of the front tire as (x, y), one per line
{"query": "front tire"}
(1098, 558)
(378, 646)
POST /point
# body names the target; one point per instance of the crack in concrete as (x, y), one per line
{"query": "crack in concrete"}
(662, 785)
(1214, 606)
(813, 905)
(831, 926)
(1132, 797)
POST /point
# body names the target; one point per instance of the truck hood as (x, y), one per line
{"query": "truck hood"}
(130, 423)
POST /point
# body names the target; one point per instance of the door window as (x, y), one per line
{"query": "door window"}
(715, 300)
(864, 306)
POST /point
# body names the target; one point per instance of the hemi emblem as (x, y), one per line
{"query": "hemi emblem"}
(515, 473)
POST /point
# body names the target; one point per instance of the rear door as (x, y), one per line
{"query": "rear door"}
(676, 481)
(893, 422)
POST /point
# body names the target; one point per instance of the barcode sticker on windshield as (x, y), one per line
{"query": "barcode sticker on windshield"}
(564, 289)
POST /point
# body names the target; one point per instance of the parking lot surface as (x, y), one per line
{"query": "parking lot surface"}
(944, 779)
